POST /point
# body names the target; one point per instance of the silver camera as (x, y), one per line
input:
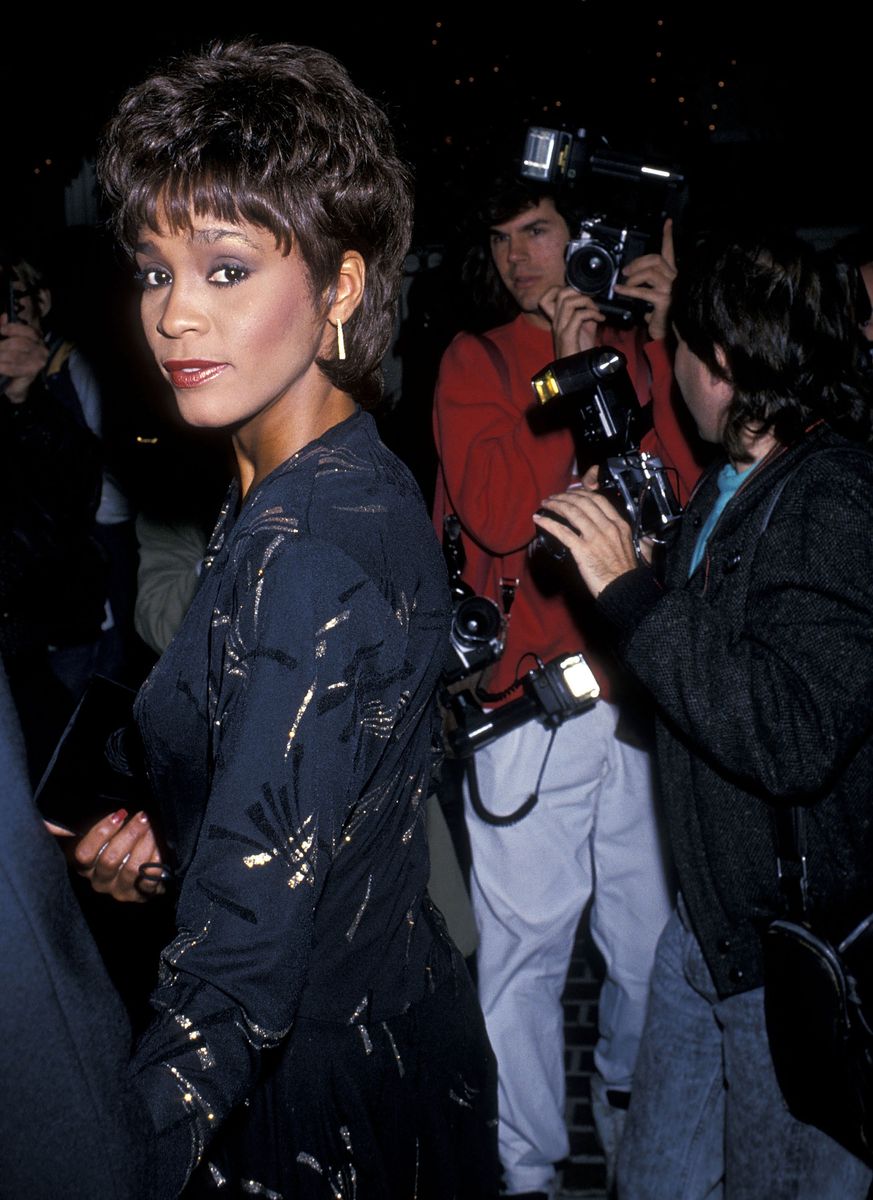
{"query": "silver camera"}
(595, 263)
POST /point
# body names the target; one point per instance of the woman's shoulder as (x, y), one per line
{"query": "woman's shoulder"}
(345, 496)
(358, 484)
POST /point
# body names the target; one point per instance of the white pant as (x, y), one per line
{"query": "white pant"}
(592, 830)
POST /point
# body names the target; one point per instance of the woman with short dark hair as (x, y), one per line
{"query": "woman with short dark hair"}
(315, 1033)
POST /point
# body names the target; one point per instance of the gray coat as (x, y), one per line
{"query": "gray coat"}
(761, 665)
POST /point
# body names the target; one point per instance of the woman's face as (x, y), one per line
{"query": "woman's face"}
(232, 323)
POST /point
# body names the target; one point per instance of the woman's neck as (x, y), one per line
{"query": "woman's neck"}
(276, 438)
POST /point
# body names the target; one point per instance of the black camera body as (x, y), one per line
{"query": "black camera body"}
(476, 636)
(626, 201)
(596, 259)
(551, 693)
(608, 423)
(478, 629)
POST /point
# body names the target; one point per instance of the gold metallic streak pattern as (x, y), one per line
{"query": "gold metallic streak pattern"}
(401, 1070)
(251, 1187)
(290, 731)
(304, 704)
(353, 928)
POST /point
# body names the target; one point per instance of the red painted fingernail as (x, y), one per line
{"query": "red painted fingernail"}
(118, 817)
(144, 818)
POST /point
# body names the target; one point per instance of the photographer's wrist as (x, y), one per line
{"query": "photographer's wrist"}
(657, 325)
(16, 390)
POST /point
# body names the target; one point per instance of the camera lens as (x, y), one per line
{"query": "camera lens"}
(476, 621)
(590, 269)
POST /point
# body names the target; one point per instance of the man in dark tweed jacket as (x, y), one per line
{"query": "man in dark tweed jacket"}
(758, 651)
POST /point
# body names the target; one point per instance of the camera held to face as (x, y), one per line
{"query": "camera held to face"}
(626, 201)
(595, 264)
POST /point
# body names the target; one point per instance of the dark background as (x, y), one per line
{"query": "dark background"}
(767, 114)
(773, 117)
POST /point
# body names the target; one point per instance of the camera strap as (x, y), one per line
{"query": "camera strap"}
(509, 580)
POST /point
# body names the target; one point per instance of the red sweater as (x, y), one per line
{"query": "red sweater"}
(495, 473)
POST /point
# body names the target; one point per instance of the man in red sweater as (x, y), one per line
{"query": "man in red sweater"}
(592, 834)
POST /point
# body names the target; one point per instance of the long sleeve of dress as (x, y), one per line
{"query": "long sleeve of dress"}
(309, 685)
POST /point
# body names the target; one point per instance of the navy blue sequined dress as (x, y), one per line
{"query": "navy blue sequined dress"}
(311, 1007)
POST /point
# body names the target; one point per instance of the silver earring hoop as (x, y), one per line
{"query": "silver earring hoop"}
(340, 341)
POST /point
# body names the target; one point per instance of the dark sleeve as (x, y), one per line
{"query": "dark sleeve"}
(312, 675)
(782, 701)
(71, 1124)
(51, 486)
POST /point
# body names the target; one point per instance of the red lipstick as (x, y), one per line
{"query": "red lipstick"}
(192, 372)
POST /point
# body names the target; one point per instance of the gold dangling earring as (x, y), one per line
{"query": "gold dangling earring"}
(340, 341)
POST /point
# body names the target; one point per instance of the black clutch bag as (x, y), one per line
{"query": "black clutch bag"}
(96, 767)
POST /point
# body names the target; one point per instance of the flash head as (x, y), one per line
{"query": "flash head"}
(577, 373)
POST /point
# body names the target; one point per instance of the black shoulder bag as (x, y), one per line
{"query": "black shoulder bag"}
(818, 1002)
(818, 997)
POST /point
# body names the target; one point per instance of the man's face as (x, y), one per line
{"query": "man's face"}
(528, 252)
(706, 396)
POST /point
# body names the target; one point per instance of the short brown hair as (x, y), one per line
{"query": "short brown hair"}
(781, 316)
(279, 136)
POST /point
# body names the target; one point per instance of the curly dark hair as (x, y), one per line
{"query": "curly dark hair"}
(507, 197)
(279, 136)
(782, 317)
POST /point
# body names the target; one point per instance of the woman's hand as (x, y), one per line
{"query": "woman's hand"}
(598, 538)
(574, 319)
(650, 278)
(111, 853)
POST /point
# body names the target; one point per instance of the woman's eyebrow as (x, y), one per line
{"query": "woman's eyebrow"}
(217, 234)
(207, 237)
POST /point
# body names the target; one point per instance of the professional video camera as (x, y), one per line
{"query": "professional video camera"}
(626, 200)
(552, 692)
(607, 422)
